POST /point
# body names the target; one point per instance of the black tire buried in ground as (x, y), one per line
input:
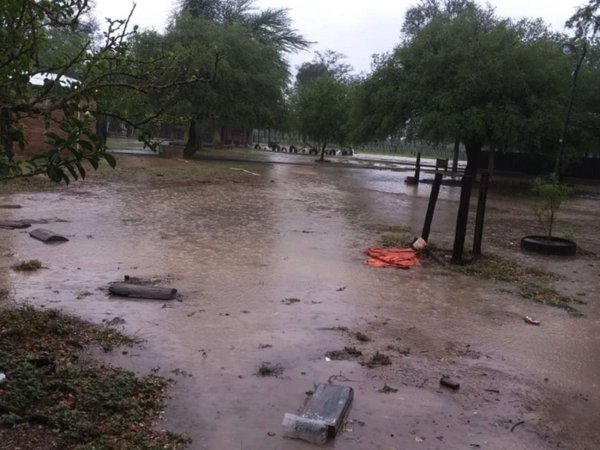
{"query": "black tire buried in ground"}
(549, 245)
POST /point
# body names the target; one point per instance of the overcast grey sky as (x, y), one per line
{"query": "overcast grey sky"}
(356, 28)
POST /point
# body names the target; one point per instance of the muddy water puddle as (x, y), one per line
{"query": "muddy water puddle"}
(237, 250)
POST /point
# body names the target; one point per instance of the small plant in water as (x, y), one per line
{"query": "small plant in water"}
(551, 194)
(377, 360)
(362, 337)
(28, 266)
(266, 369)
(387, 389)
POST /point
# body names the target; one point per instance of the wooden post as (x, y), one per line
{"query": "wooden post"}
(418, 169)
(483, 186)
(435, 190)
(462, 219)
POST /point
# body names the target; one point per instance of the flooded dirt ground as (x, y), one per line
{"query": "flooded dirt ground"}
(237, 245)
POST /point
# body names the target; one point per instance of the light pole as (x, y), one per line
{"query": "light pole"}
(569, 49)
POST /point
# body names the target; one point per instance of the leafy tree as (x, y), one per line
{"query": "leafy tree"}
(419, 16)
(328, 63)
(104, 73)
(248, 48)
(321, 99)
(378, 108)
(586, 20)
(580, 131)
(271, 25)
(322, 111)
(468, 75)
(62, 44)
(248, 77)
(479, 83)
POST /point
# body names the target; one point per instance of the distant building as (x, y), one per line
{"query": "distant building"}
(33, 126)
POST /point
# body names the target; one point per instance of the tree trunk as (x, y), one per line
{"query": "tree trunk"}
(194, 141)
(479, 219)
(455, 159)
(473, 149)
(322, 158)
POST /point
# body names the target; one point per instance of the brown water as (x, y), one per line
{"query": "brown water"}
(235, 250)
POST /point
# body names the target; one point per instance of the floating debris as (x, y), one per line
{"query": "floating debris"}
(322, 416)
(449, 382)
(531, 321)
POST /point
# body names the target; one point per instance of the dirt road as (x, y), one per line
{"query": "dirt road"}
(237, 246)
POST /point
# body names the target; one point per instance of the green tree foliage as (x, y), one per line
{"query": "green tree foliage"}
(478, 81)
(62, 44)
(582, 133)
(419, 16)
(246, 48)
(378, 107)
(104, 72)
(586, 20)
(322, 111)
(461, 73)
(328, 63)
(271, 25)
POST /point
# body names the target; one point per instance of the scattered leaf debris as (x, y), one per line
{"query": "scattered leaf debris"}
(378, 360)
(290, 301)
(28, 266)
(387, 389)
(266, 369)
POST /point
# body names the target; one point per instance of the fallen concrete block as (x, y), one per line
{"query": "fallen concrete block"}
(322, 416)
(47, 236)
(141, 291)
(11, 224)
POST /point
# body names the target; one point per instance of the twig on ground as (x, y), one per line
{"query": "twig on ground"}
(516, 425)
(245, 171)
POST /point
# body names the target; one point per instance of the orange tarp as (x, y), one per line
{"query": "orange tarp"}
(392, 257)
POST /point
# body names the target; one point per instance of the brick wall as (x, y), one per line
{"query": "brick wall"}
(34, 132)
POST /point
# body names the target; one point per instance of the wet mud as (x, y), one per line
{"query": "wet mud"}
(237, 249)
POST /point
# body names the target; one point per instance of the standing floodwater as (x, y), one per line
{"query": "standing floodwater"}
(239, 248)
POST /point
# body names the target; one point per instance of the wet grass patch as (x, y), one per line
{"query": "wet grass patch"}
(56, 398)
(387, 389)
(37, 183)
(190, 172)
(395, 240)
(491, 267)
(394, 236)
(549, 296)
(158, 171)
(528, 280)
(266, 369)
(362, 337)
(378, 360)
(345, 354)
(28, 266)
